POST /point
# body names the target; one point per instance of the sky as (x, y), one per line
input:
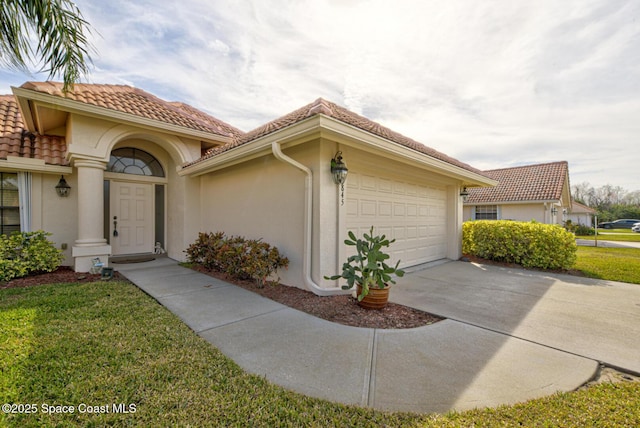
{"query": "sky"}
(493, 83)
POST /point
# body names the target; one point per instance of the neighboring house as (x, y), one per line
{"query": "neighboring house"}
(581, 214)
(538, 192)
(143, 170)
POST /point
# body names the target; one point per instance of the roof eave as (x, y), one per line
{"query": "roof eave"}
(323, 125)
(259, 147)
(15, 163)
(356, 137)
(27, 97)
(530, 201)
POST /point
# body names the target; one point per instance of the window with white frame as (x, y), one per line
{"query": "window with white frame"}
(9, 203)
(129, 160)
(486, 212)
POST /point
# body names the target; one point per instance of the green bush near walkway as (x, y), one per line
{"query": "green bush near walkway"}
(108, 343)
(532, 244)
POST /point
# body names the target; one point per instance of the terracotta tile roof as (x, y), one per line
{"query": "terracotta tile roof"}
(577, 207)
(321, 106)
(541, 182)
(15, 140)
(126, 99)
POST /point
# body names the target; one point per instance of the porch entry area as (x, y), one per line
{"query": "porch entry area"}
(134, 201)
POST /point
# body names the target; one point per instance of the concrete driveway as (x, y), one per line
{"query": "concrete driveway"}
(435, 368)
(599, 320)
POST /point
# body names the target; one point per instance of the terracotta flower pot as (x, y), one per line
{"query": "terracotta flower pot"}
(376, 299)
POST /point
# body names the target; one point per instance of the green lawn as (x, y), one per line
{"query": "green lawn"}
(620, 235)
(616, 264)
(107, 343)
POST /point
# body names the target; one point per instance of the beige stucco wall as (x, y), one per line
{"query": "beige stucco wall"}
(54, 214)
(522, 212)
(581, 218)
(262, 198)
(265, 198)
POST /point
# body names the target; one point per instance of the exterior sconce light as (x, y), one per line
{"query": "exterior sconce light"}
(62, 188)
(464, 194)
(554, 210)
(339, 169)
(339, 172)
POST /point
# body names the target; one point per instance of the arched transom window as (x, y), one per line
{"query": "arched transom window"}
(128, 160)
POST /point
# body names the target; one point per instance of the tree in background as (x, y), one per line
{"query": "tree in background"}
(611, 202)
(48, 33)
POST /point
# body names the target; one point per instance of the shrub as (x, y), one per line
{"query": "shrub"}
(236, 256)
(532, 245)
(24, 253)
(582, 230)
(570, 226)
(204, 251)
(262, 261)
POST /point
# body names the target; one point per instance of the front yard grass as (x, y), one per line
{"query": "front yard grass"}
(619, 235)
(107, 343)
(615, 264)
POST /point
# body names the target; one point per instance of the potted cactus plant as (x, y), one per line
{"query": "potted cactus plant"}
(368, 270)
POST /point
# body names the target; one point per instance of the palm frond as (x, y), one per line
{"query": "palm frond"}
(62, 45)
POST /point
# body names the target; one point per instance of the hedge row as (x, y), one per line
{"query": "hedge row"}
(532, 245)
(24, 253)
(236, 256)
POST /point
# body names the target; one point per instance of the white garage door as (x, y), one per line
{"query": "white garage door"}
(414, 214)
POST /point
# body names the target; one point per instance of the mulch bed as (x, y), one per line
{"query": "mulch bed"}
(63, 274)
(341, 309)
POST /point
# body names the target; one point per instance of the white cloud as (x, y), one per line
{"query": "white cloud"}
(492, 83)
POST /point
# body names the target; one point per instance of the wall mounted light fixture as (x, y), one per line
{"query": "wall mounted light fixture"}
(339, 172)
(339, 169)
(464, 194)
(554, 210)
(62, 188)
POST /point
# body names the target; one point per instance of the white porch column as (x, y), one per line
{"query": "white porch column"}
(90, 243)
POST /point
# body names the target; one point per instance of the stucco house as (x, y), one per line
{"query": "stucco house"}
(143, 170)
(539, 192)
(581, 214)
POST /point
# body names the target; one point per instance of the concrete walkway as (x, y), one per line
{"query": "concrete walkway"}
(452, 364)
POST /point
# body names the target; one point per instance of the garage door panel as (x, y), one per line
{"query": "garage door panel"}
(368, 208)
(385, 186)
(385, 209)
(411, 213)
(399, 188)
(399, 210)
(368, 182)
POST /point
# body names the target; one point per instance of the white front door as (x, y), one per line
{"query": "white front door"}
(132, 218)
